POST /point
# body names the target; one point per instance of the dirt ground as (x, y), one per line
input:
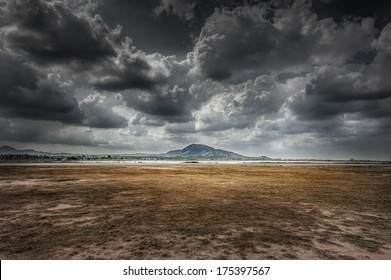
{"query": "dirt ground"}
(195, 212)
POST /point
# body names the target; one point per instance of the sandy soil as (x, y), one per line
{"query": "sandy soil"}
(195, 212)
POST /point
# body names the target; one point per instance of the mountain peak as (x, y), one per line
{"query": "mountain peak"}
(198, 147)
(6, 148)
(202, 151)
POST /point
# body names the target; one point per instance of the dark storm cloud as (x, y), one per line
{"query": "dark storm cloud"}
(47, 32)
(242, 43)
(353, 88)
(29, 94)
(155, 85)
(338, 10)
(245, 42)
(51, 33)
(98, 113)
(181, 8)
(241, 105)
(166, 34)
(339, 43)
(328, 97)
(33, 131)
(171, 99)
(224, 47)
(130, 71)
(170, 105)
(24, 93)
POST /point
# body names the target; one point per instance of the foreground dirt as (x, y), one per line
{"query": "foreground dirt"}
(195, 212)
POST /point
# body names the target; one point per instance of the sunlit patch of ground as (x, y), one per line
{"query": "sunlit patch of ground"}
(195, 212)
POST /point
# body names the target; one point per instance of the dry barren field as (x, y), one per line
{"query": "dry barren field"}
(195, 212)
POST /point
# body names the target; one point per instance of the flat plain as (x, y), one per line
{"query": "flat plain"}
(192, 211)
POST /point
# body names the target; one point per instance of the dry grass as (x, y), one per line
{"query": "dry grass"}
(195, 212)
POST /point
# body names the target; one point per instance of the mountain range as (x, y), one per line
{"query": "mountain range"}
(7, 150)
(193, 151)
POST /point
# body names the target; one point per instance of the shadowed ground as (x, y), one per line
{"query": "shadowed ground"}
(195, 212)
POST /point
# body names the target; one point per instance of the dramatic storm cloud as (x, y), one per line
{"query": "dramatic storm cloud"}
(51, 33)
(294, 78)
(182, 8)
(26, 93)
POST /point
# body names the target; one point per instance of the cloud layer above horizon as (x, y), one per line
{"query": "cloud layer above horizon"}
(280, 78)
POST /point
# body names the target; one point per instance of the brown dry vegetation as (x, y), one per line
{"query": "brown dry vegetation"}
(195, 212)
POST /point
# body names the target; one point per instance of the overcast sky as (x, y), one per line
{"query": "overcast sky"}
(292, 79)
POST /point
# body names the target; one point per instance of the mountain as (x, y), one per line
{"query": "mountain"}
(203, 151)
(7, 150)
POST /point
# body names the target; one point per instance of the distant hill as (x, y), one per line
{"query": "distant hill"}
(203, 151)
(7, 150)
